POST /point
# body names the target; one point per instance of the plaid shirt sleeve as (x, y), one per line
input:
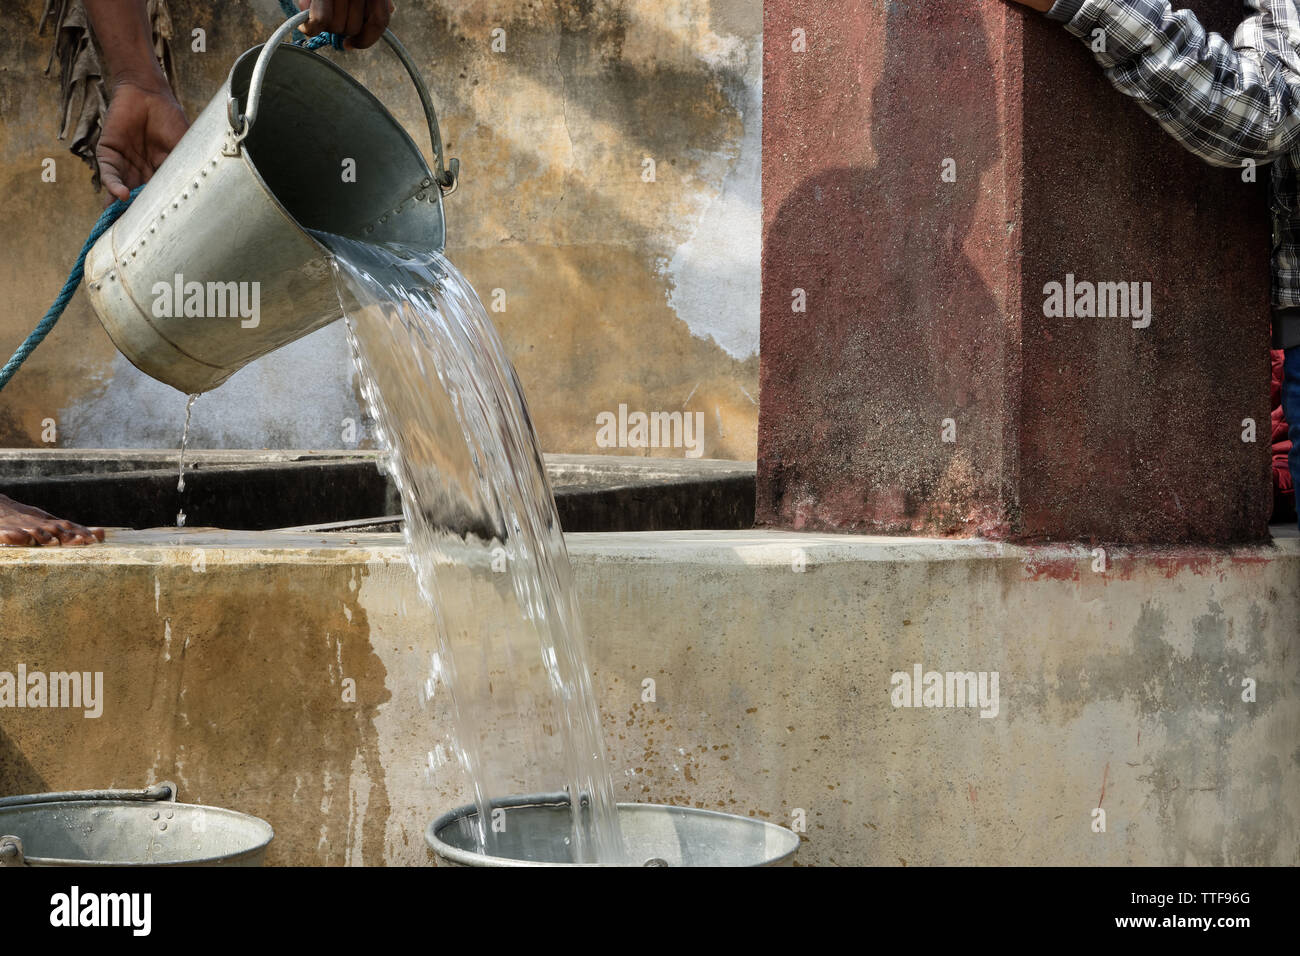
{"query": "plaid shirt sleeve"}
(1225, 102)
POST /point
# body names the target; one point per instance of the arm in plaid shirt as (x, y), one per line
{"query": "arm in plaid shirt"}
(1226, 103)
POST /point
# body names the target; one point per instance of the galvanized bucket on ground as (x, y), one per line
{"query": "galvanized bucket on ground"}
(290, 143)
(126, 828)
(535, 831)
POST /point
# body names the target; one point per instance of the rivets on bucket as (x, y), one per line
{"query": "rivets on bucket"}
(426, 183)
(419, 197)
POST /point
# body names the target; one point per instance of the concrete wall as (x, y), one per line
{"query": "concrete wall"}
(617, 290)
(930, 166)
(1122, 690)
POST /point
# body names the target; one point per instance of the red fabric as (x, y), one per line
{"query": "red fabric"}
(1281, 443)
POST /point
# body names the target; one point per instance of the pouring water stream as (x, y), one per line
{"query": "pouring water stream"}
(482, 533)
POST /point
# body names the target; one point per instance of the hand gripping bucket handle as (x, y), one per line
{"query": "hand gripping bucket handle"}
(446, 172)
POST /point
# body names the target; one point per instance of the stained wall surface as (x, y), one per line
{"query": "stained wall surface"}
(1144, 715)
(615, 289)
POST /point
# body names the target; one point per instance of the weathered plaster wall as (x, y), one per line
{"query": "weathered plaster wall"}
(226, 660)
(617, 290)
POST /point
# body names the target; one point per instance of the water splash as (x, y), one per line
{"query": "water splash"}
(483, 537)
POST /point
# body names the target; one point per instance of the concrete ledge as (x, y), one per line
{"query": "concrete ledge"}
(225, 654)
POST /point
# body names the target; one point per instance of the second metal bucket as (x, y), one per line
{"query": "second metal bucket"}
(535, 831)
(214, 264)
(126, 828)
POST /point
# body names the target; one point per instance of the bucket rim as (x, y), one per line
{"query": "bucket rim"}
(470, 858)
(252, 53)
(268, 833)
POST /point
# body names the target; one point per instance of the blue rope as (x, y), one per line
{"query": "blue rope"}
(309, 43)
(106, 220)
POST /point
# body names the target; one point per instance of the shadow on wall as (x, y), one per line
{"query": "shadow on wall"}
(17, 775)
(900, 332)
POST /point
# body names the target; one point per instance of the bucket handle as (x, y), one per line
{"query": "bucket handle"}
(11, 847)
(165, 791)
(446, 176)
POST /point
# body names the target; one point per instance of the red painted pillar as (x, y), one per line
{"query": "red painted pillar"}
(929, 167)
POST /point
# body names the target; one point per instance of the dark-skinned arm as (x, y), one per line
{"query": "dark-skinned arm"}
(144, 120)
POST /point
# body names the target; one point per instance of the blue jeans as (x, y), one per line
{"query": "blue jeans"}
(1291, 408)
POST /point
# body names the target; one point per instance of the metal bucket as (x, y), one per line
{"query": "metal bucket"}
(126, 828)
(534, 831)
(212, 265)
